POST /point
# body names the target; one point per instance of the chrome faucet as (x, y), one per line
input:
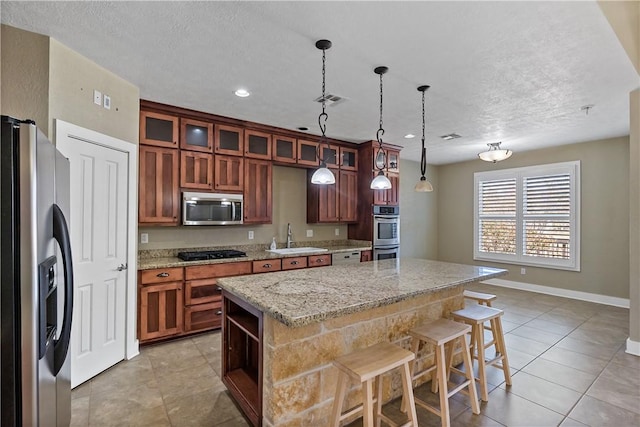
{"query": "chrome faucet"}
(289, 235)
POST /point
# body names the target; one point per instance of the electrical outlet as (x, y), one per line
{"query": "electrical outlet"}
(250, 234)
(144, 238)
(337, 231)
(106, 102)
(97, 97)
(309, 233)
(523, 271)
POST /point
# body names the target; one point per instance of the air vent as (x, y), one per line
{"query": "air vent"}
(450, 136)
(331, 100)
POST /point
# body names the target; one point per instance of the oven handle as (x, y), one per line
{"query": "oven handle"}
(386, 250)
(386, 218)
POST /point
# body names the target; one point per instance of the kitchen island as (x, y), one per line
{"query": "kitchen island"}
(281, 331)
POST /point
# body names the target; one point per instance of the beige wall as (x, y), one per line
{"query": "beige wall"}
(604, 216)
(289, 206)
(25, 76)
(624, 18)
(418, 213)
(634, 217)
(72, 79)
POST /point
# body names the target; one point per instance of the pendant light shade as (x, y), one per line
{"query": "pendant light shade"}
(423, 186)
(323, 175)
(380, 182)
(495, 153)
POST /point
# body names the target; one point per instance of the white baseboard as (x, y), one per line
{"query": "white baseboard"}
(633, 347)
(579, 295)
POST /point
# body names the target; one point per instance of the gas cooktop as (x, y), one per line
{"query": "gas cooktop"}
(203, 255)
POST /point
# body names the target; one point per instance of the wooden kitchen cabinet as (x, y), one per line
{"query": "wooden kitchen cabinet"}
(202, 317)
(334, 202)
(229, 140)
(308, 153)
(159, 130)
(285, 149)
(267, 265)
(366, 256)
(257, 191)
(212, 271)
(319, 260)
(257, 145)
(348, 159)
(242, 342)
(391, 196)
(160, 307)
(196, 170)
(294, 263)
(158, 196)
(348, 196)
(330, 155)
(228, 173)
(196, 135)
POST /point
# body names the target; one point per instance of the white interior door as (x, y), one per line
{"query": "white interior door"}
(98, 228)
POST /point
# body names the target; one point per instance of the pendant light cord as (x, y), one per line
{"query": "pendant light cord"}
(322, 118)
(423, 159)
(380, 130)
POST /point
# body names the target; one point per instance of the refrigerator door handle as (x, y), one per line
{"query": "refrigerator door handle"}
(61, 234)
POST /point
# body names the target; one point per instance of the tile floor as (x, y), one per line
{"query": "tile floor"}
(567, 360)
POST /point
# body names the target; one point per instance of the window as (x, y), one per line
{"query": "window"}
(529, 216)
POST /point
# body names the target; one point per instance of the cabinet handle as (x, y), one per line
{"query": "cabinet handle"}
(218, 313)
(163, 275)
(267, 266)
(320, 260)
(294, 262)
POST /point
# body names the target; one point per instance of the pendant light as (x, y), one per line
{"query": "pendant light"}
(423, 186)
(380, 182)
(495, 153)
(323, 174)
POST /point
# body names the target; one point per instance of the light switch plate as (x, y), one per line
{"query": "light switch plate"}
(97, 97)
(144, 238)
(309, 233)
(337, 231)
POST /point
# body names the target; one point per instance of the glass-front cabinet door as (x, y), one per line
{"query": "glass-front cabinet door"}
(348, 159)
(160, 130)
(196, 135)
(330, 155)
(285, 149)
(308, 153)
(229, 140)
(257, 145)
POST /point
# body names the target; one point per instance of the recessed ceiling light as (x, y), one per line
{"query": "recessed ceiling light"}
(303, 128)
(409, 136)
(242, 93)
(450, 136)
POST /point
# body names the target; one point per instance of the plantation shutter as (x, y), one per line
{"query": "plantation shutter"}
(497, 216)
(547, 216)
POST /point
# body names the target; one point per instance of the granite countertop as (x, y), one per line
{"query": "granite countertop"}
(301, 297)
(167, 258)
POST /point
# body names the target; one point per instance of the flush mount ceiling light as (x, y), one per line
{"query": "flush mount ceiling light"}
(495, 153)
(409, 136)
(423, 186)
(323, 175)
(380, 182)
(242, 93)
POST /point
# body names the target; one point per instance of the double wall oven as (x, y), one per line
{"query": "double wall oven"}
(386, 232)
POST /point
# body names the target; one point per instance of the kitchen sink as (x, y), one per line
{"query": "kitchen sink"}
(289, 251)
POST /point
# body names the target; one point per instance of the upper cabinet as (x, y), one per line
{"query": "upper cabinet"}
(393, 161)
(196, 135)
(257, 145)
(229, 140)
(330, 155)
(196, 170)
(158, 196)
(257, 191)
(229, 173)
(285, 149)
(160, 130)
(308, 153)
(335, 202)
(348, 159)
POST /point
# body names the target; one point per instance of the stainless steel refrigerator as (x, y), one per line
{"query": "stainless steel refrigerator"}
(36, 293)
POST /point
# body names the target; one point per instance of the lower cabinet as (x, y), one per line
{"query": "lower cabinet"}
(366, 256)
(203, 316)
(160, 310)
(242, 355)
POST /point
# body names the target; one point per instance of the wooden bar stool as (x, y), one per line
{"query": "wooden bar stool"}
(443, 334)
(480, 297)
(476, 316)
(365, 366)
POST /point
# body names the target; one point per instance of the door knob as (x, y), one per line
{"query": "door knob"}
(122, 267)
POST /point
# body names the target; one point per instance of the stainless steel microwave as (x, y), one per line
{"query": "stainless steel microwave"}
(211, 209)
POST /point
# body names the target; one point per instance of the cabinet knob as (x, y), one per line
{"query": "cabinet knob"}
(294, 262)
(218, 288)
(218, 313)
(163, 275)
(319, 260)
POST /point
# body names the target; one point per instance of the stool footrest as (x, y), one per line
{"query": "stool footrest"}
(428, 407)
(458, 388)
(423, 372)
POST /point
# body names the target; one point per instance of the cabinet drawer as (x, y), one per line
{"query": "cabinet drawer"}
(265, 266)
(202, 291)
(293, 263)
(203, 316)
(161, 275)
(319, 260)
(217, 270)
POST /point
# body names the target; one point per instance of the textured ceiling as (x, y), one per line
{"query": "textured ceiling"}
(516, 72)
